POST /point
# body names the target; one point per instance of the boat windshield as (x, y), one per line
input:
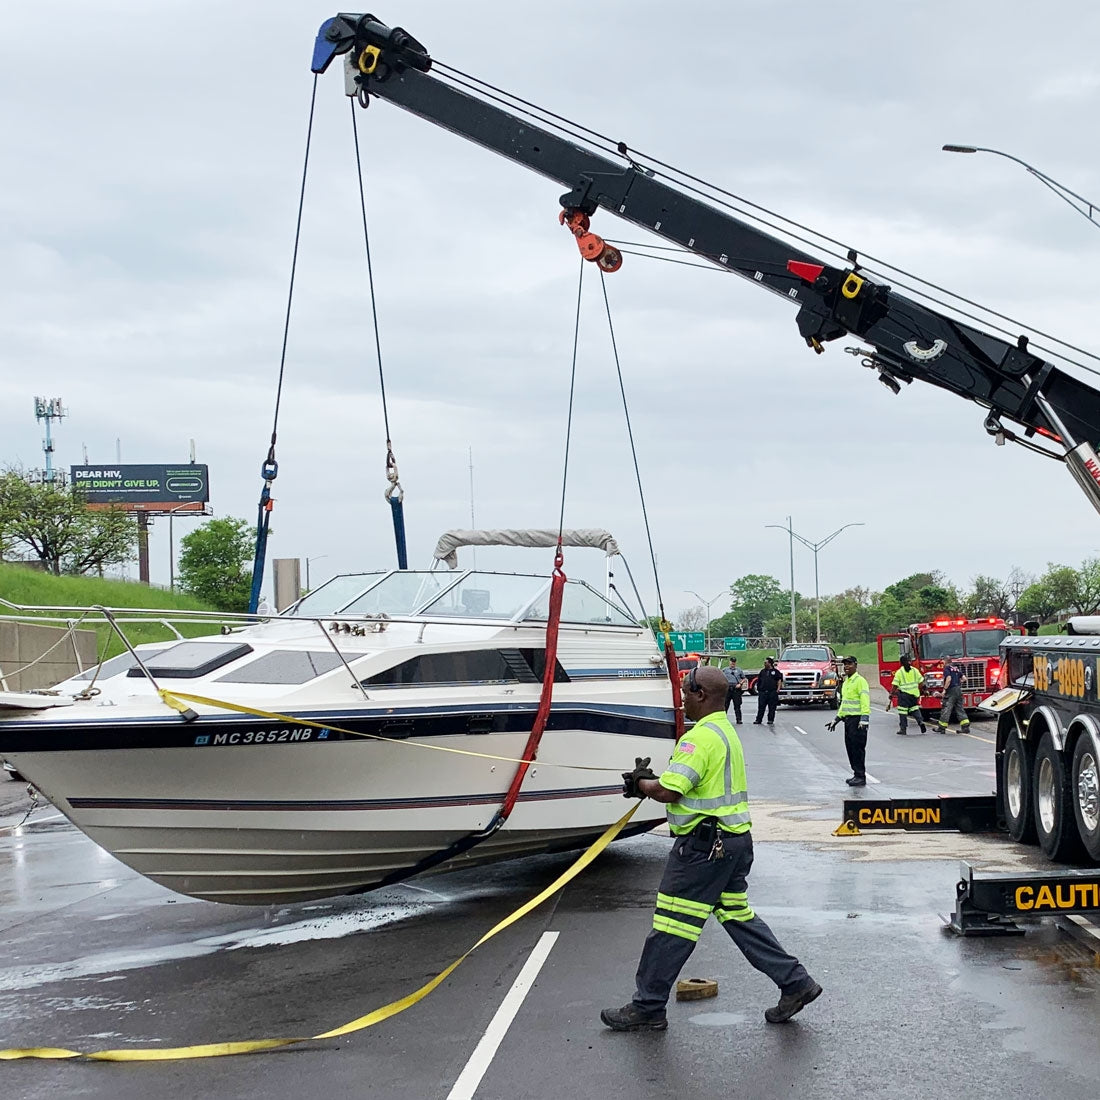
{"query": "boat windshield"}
(489, 596)
(333, 595)
(401, 593)
(580, 604)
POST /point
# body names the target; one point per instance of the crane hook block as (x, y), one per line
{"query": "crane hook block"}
(592, 247)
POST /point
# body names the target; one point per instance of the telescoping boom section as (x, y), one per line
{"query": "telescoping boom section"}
(908, 340)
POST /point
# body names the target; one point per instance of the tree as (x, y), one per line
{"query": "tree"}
(692, 618)
(58, 527)
(988, 596)
(215, 563)
(1086, 600)
(755, 599)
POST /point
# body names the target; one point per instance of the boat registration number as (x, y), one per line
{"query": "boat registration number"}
(260, 737)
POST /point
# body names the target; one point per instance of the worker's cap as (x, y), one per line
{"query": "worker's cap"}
(850, 660)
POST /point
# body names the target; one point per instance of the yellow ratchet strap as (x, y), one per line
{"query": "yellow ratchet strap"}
(178, 700)
(253, 1046)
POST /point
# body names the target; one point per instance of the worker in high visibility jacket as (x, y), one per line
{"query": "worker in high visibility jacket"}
(906, 688)
(704, 788)
(855, 713)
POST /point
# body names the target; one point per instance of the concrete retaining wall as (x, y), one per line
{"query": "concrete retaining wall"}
(21, 643)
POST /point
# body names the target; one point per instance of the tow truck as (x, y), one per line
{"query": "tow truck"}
(975, 642)
(811, 674)
(1048, 742)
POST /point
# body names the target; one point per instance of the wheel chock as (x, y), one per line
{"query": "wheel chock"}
(696, 989)
(847, 828)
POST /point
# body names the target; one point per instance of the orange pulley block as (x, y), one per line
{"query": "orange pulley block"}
(592, 247)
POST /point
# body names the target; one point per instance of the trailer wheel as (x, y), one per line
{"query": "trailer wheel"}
(1016, 785)
(1086, 792)
(1054, 819)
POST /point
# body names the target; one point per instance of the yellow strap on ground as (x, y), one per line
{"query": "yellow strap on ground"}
(253, 1046)
(176, 700)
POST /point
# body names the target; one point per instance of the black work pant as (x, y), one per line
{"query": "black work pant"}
(951, 705)
(692, 887)
(766, 701)
(856, 744)
(733, 695)
(909, 707)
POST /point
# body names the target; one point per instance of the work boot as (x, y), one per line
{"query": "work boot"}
(792, 1003)
(632, 1018)
(923, 728)
(901, 733)
(941, 729)
(858, 781)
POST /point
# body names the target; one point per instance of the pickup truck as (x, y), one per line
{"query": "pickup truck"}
(811, 674)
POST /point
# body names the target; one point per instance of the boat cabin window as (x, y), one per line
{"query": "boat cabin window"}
(284, 666)
(474, 666)
(189, 660)
(119, 664)
(488, 596)
(580, 604)
(331, 596)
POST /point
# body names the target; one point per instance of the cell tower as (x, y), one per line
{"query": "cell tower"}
(48, 410)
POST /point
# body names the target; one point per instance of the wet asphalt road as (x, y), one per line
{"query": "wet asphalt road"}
(97, 957)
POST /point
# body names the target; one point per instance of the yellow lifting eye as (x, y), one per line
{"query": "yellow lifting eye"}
(852, 286)
(368, 59)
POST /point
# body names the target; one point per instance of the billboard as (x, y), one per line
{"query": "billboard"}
(144, 488)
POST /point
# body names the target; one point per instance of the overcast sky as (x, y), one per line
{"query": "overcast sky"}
(152, 164)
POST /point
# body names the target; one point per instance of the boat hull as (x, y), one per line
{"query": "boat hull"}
(353, 813)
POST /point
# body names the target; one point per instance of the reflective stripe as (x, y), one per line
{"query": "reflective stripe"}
(713, 803)
(684, 905)
(676, 928)
(741, 913)
(688, 773)
(727, 774)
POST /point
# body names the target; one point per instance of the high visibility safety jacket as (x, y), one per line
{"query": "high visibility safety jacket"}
(707, 769)
(908, 680)
(855, 697)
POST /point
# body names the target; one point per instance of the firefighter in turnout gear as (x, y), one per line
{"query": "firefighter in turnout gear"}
(855, 714)
(952, 701)
(906, 689)
(708, 814)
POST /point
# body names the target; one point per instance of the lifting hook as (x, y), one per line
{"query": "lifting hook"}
(592, 247)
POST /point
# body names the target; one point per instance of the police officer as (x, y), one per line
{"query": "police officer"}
(767, 691)
(708, 813)
(855, 714)
(906, 688)
(735, 687)
(952, 700)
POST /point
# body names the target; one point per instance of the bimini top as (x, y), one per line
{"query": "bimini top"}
(450, 541)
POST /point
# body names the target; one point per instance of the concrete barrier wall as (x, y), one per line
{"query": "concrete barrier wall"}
(21, 643)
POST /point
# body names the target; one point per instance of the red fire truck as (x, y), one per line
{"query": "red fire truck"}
(974, 642)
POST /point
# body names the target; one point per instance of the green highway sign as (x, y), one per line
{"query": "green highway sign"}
(734, 643)
(684, 641)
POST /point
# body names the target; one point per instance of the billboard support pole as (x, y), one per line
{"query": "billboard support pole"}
(143, 547)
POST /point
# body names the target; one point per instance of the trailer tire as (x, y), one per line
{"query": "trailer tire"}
(1085, 785)
(1055, 823)
(1016, 787)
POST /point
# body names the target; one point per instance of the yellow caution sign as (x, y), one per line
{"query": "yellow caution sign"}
(254, 1046)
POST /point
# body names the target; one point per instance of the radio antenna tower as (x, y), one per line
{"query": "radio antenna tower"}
(49, 410)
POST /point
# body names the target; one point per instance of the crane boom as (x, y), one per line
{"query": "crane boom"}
(908, 341)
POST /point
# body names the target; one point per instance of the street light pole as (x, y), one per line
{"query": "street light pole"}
(1060, 189)
(815, 546)
(790, 536)
(316, 557)
(172, 546)
(706, 630)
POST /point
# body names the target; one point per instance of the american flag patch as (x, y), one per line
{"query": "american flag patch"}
(686, 746)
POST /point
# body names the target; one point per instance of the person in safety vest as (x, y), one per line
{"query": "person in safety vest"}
(906, 689)
(952, 701)
(708, 813)
(855, 714)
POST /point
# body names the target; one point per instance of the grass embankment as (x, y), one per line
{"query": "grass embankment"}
(30, 587)
(864, 652)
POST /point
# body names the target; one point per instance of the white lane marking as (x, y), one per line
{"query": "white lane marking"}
(871, 778)
(802, 731)
(474, 1070)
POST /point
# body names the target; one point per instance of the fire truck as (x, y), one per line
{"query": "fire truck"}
(974, 642)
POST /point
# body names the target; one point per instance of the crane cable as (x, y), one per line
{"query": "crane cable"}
(270, 469)
(395, 494)
(666, 626)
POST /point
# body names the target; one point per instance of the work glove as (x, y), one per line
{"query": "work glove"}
(833, 724)
(630, 779)
(863, 728)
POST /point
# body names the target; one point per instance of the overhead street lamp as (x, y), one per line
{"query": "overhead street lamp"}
(1087, 209)
(815, 546)
(790, 536)
(316, 557)
(706, 630)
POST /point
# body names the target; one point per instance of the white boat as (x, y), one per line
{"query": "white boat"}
(340, 793)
